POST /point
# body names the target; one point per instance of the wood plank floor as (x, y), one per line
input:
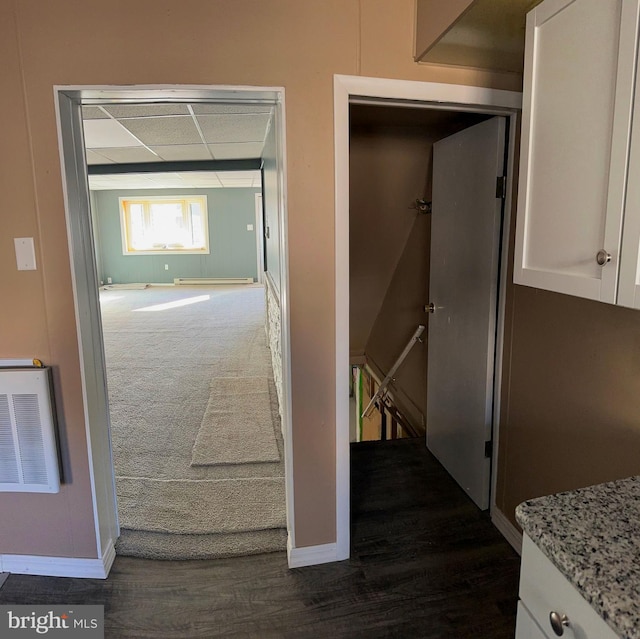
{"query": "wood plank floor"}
(425, 563)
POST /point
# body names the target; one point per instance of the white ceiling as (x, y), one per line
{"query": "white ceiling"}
(176, 132)
(189, 179)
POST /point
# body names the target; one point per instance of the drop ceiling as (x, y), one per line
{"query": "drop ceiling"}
(176, 180)
(176, 132)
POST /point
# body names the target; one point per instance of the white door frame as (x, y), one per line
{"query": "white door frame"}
(450, 97)
(68, 101)
(259, 239)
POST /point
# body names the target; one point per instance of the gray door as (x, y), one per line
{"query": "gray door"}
(465, 239)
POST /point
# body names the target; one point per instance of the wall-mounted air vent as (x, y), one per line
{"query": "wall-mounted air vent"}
(28, 446)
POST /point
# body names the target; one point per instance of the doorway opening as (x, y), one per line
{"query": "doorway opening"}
(191, 192)
(391, 193)
(457, 108)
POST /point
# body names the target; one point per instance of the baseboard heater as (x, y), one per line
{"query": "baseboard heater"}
(191, 281)
(28, 442)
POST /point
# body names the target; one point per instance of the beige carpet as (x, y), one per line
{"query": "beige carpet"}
(237, 427)
(166, 351)
(201, 506)
(209, 546)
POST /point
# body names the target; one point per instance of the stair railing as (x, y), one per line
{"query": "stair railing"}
(382, 389)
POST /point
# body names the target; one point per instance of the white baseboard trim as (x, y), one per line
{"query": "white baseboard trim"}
(508, 530)
(108, 557)
(59, 566)
(311, 555)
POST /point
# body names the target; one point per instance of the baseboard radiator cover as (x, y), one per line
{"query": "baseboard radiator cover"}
(211, 281)
(29, 461)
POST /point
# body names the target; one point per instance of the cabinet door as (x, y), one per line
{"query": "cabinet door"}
(629, 281)
(578, 87)
(526, 627)
(543, 588)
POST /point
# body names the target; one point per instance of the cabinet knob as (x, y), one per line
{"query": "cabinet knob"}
(558, 622)
(430, 308)
(602, 257)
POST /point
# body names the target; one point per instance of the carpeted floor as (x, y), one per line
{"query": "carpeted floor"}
(235, 402)
(195, 428)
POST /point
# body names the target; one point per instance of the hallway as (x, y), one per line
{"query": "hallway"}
(425, 563)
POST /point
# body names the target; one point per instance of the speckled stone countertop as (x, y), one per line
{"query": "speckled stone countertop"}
(593, 536)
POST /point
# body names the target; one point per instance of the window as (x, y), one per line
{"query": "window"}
(164, 225)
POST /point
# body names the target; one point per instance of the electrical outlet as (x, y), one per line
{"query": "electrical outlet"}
(109, 280)
(249, 227)
(166, 267)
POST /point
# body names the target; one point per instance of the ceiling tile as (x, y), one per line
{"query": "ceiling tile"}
(182, 152)
(239, 151)
(233, 128)
(174, 180)
(168, 183)
(130, 154)
(101, 134)
(145, 110)
(96, 158)
(187, 181)
(119, 182)
(215, 109)
(227, 183)
(164, 131)
(239, 175)
(200, 175)
(210, 183)
(93, 113)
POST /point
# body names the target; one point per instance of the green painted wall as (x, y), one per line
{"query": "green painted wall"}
(233, 248)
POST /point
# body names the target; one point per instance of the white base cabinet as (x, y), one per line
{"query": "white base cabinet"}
(526, 627)
(545, 591)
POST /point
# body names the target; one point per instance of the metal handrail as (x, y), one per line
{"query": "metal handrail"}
(382, 389)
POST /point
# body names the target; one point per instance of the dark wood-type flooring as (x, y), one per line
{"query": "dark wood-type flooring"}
(425, 563)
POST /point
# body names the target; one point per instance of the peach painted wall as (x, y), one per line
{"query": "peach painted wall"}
(298, 45)
(389, 170)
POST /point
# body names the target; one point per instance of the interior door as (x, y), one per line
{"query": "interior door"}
(465, 240)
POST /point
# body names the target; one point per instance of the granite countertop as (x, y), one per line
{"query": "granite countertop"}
(593, 536)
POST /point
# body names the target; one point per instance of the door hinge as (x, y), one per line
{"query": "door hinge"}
(501, 187)
(488, 449)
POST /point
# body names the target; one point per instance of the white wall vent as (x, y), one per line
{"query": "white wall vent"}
(28, 445)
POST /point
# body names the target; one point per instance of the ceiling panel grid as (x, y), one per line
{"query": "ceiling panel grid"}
(129, 133)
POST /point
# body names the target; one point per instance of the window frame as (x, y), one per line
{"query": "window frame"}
(124, 204)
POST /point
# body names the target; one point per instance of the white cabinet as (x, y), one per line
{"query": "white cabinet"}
(629, 288)
(544, 591)
(578, 106)
(526, 627)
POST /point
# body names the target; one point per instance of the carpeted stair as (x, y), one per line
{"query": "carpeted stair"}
(198, 450)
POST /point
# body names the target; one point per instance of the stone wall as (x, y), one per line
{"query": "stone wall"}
(273, 328)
